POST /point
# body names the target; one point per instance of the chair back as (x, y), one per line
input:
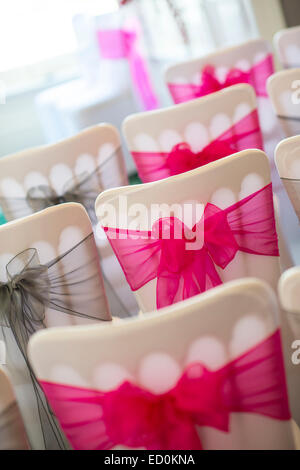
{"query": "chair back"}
(179, 138)
(93, 159)
(141, 208)
(283, 89)
(286, 43)
(80, 367)
(52, 232)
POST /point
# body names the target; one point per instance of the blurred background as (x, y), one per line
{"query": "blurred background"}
(54, 81)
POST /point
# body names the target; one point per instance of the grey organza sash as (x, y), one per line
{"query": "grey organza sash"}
(12, 431)
(83, 188)
(68, 284)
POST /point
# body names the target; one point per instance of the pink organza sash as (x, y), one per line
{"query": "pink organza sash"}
(182, 269)
(245, 134)
(121, 43)
(255, 76)
(134, 417)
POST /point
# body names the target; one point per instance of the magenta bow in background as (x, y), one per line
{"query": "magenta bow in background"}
(119, 44)
(256, 76)
(135, 417)
(182, 270)
(242, 135)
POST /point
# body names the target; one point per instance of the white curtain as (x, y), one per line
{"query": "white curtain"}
(176, 29)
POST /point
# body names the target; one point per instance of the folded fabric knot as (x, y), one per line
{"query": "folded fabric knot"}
(133, 416)
(243, 134)
(136, 417)
(188, 264)
(42, 196)
(188, 256)
(83, 188)
(256, 76)
(210, 83)
(181, 158)
(67, 284)
(174, 237)
(24, 295)
(219, 240)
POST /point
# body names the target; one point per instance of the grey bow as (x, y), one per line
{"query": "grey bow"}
(83, 188)
(24, 296)
(75, 190)
(69, 284)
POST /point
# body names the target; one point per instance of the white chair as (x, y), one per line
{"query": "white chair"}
(228, 116)
(223, 183)
(93, 158)
(60, 166)
(12, 431)
(283, 92)
(255, 54)
(208, 330)
(52, 233)
(287, 163)
(243, 57)
(283, 89)
(288, 289)
(286, 43)
(287, 160)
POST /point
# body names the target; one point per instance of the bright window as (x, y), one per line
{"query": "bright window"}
(38, 43)
(32, 31)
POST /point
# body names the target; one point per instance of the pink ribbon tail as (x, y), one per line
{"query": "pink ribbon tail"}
(119, 43)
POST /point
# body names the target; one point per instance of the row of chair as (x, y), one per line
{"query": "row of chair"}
(66, 225)
(86, 371)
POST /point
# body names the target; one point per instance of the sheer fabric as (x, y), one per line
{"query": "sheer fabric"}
(12, 432)
(121, 43)
(134, 417)
(243, 135)
(255, 76)
(170, 253)
(83, 188)
(68, 284)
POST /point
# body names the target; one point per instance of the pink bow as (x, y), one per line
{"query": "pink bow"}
(244, 134)
(166, 421)
(171, 253)
(182, 158)
(256, 76)
(118, 44)
(178, 273)
(211, 84)
(134, 417)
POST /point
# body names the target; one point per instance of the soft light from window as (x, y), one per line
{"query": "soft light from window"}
(33, 31)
